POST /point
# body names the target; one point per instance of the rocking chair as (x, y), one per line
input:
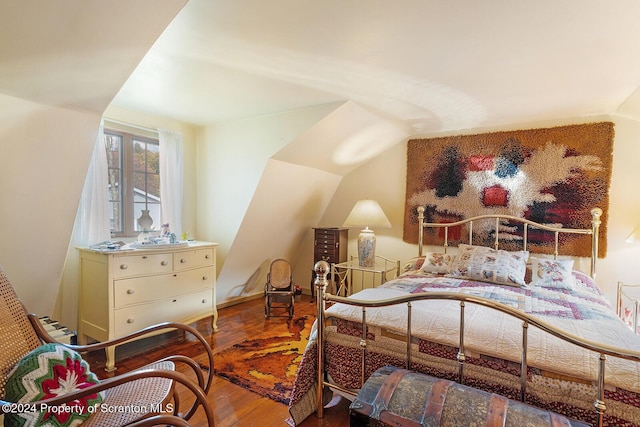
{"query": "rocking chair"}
(279, 290)
(151, 389)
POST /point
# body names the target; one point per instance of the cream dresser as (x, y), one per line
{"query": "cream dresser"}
(124, 291)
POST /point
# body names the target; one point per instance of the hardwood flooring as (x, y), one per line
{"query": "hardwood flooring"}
(232, 405)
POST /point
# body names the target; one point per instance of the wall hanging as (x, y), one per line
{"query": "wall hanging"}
(552, 175)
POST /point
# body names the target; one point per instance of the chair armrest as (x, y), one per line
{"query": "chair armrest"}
(205, 384)
(178, 377)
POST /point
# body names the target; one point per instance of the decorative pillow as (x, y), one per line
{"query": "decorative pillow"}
(435, 262)
(413, 264)
(549, 273)
(49, 371)
(490, 265)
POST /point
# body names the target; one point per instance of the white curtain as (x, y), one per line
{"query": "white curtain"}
(92, 220)
(171, 179)
(92, 226)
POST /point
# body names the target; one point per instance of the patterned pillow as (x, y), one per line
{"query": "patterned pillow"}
(413, 264)
(49, 371)
(438, 263)
(490, 265)
(550, 273)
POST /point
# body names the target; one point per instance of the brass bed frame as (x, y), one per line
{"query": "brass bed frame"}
(322, 269)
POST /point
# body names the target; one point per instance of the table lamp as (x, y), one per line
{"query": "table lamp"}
(634, 237)
(367, 213)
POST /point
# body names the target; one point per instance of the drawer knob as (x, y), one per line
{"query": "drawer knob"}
(144, 257)
(207, 256)
(204, 301)
(123, 266)
(182, 260)
(205, 278)
(163, 262)
(131, 291)
(130, 320)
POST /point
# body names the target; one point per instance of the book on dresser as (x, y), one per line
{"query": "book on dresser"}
(123, 291)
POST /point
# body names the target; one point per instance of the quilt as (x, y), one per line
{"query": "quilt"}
(561, 377)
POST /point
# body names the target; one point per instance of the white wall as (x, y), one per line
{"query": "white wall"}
(384, 179)
(233, 161)
(45, 152)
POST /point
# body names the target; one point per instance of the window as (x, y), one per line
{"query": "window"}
(134, 180)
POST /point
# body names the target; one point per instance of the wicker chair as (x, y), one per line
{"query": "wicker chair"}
(279, 290)
(151, 387)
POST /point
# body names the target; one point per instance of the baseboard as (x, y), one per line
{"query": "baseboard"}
(239, 300)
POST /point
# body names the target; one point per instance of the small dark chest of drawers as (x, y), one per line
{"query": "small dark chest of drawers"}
(330, 245)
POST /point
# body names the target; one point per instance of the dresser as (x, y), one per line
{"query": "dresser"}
(124, 291)
(331, 245)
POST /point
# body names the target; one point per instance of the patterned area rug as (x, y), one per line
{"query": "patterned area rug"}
(268, 363)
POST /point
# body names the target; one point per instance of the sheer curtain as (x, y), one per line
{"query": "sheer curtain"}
(92, 220)
(171, 179)
(92, 226)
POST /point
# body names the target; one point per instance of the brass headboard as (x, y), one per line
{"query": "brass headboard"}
(596, 213)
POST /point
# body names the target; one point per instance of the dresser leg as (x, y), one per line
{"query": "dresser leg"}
(110, 366)
(214, 320)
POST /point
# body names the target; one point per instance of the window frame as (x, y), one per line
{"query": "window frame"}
(127, 180)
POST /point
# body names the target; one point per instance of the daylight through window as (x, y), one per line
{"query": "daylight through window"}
(134, 181)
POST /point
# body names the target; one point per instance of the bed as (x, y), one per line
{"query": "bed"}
(475, 316)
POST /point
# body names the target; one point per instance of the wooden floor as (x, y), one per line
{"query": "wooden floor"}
(232, 405)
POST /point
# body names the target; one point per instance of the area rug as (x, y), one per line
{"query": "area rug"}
(553, 176)
(268, 363)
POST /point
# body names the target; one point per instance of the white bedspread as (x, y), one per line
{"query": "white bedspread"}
(583, 312)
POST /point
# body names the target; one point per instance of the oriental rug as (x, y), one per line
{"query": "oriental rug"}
(553, 176)
(268, 363)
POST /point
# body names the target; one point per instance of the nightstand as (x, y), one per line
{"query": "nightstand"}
(383, 270)
(627, 304)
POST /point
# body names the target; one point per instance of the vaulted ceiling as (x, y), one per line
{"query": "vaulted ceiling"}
(429, 65)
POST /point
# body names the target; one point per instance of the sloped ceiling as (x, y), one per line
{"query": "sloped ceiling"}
(76, 54)
(431, 65)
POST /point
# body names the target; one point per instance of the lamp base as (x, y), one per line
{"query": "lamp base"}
(366, 248)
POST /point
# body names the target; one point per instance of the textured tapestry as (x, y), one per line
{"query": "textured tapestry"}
(553, 176)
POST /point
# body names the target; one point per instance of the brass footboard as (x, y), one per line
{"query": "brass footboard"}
(604, 351)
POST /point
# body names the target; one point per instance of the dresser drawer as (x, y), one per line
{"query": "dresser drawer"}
(138, 265)
(190, 259)
(133, 318)
(143, 289)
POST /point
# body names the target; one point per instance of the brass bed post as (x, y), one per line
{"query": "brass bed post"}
(461, 357)
(596, 213)
(420, 228)
(322, 269)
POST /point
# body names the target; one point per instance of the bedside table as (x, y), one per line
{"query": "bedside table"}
(627, 304)
(383, 270)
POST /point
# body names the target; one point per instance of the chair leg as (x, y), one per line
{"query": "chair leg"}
(267, 307)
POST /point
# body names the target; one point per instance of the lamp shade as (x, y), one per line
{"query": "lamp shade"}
(634, 237)
(367, 213)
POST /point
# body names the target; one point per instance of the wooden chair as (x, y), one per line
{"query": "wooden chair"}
(279, 290)
(150, 388)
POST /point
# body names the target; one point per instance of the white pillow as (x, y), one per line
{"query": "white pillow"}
(490, 265)
(549, 273)
(436, 262)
